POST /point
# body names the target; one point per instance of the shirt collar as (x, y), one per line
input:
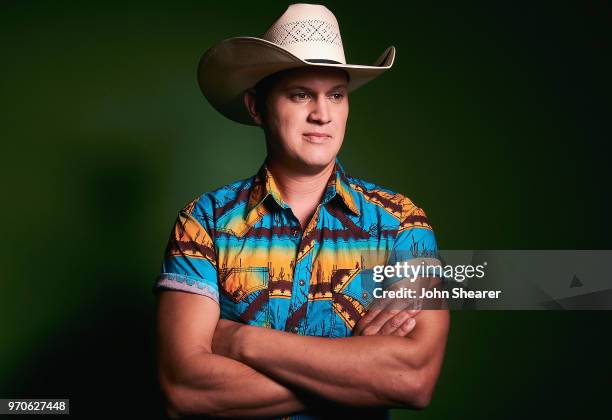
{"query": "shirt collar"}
(264, 186)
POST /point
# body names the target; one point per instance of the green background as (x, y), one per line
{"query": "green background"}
(495, 119)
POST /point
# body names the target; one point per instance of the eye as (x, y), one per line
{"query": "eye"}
(337, 97)
(300, 96)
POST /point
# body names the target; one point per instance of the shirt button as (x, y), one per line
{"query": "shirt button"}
(295, 232)
(302, 282)
(295, 329)
(365, 295)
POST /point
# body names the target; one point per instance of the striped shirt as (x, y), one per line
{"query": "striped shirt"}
(242, 246)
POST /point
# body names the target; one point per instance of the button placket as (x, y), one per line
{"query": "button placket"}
(298, 276)
(301, 271)
(295, 232)
(299, 294)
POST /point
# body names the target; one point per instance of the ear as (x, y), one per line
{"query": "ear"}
(250, 103)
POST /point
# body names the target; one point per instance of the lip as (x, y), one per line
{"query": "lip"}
(316, 137)
(315, 134)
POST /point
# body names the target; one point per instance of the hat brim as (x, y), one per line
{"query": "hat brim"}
(229, 68)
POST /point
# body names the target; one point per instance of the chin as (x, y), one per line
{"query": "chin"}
(318, 160)
(317, 154)
(321, 155)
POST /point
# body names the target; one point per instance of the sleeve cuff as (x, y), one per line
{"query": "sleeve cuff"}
(185, 283)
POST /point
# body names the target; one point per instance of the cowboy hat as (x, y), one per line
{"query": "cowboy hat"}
(304, 35)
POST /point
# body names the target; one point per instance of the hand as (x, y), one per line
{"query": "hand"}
(225, 340)
(390, 316)
(382, 321)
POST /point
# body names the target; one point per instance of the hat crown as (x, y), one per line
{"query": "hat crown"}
(309, 31)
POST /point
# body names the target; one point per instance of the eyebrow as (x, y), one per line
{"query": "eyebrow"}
(291, 87)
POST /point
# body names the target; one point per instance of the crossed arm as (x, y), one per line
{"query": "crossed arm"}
(205, 362)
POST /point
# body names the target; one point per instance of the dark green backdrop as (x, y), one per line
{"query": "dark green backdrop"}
(495, 119)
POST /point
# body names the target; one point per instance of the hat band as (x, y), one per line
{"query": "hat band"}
(322, 60)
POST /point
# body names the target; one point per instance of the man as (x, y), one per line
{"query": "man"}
(264, 291)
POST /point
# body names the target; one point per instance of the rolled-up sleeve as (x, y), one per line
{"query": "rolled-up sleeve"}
(190, 261)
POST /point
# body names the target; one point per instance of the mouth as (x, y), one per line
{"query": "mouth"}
(316, 137)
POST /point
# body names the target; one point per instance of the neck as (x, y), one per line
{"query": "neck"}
(300, 185)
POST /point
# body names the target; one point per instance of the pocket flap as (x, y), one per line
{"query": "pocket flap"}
(239, 282)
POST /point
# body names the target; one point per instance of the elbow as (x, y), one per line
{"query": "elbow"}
(177, 404)
(173, 401)
(421, 395)
(184, 395)
(414, 390)
(179, 401)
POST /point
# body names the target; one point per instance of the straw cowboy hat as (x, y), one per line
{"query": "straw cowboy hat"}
(304, 35)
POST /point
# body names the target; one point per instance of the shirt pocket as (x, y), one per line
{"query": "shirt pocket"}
(351, 297)
(245, 290)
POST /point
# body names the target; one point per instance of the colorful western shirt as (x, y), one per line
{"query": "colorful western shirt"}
(242, 246)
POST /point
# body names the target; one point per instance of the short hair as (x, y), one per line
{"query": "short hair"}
(262, 90)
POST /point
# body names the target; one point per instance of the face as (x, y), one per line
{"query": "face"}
(307, 109)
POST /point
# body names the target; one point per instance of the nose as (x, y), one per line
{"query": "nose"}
(320, 112)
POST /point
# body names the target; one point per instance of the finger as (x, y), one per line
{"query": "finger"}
(394, 323)
(371, 320)
(413, 312)
(370, 315)
(377, 323)
(383, 317)
(406, 328)
(365, 320)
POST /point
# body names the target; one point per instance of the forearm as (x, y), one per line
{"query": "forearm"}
(357, 371)
(219, 386)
